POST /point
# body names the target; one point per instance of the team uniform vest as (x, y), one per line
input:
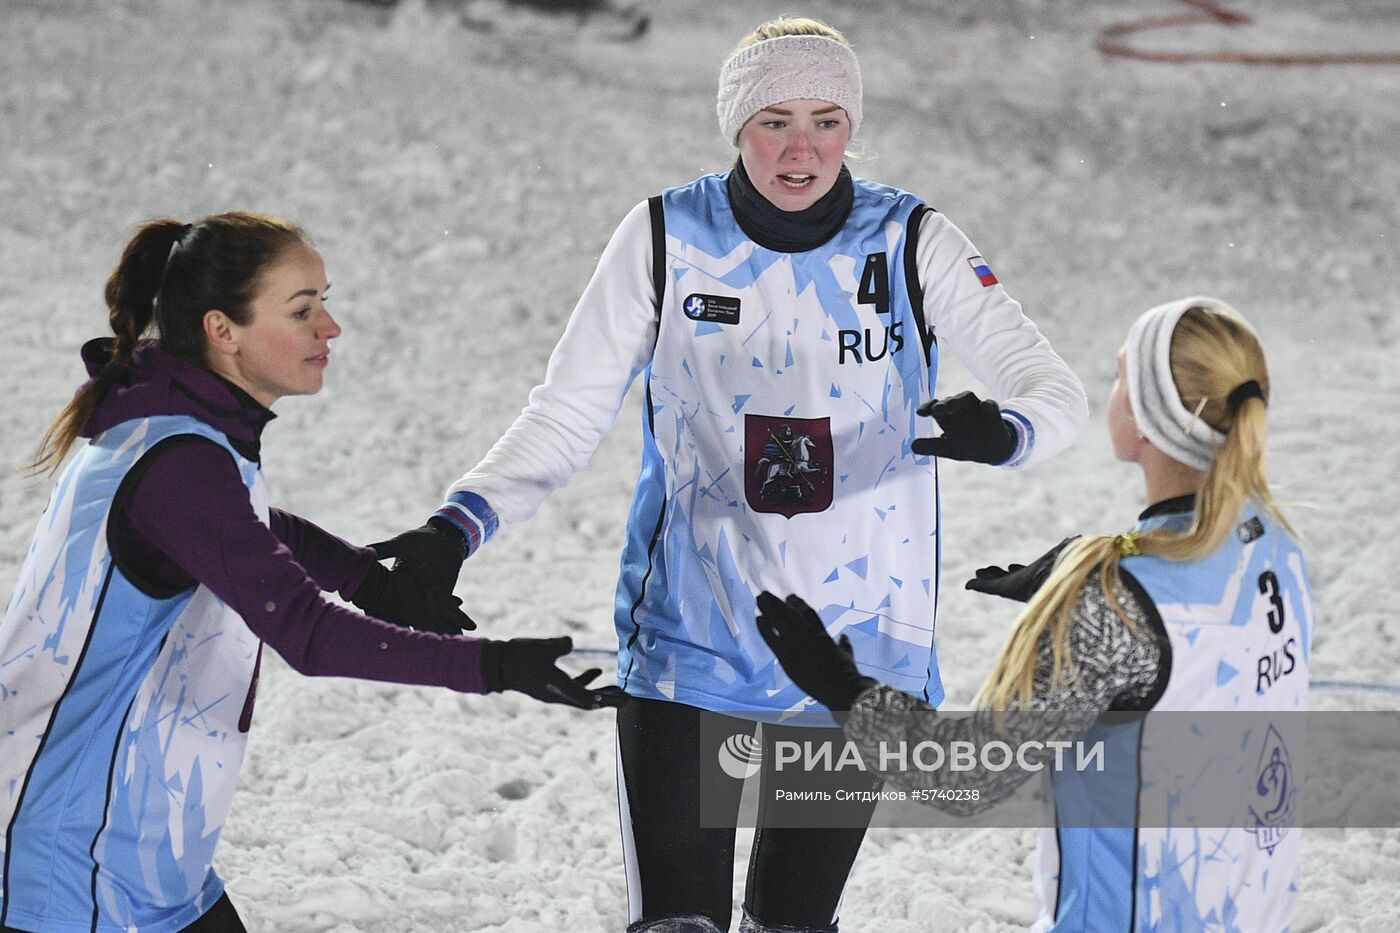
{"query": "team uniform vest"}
(1238, 626)
(119, 715)
(780, 406)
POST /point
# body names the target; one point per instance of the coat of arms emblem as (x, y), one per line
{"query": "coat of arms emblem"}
(787, 464)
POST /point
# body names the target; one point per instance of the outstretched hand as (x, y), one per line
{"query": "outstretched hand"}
(398, 597)
(973, 429)
(825, 669)
(1018, 581)
(529, 666)
(432, 554)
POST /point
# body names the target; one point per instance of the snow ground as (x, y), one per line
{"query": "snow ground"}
(461, 184)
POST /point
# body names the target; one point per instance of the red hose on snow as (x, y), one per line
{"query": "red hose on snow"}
(1206, 11)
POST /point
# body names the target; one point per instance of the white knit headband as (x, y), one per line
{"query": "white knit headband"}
(787, 68)
(1157, 407)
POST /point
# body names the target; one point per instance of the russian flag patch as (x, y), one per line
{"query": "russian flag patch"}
(985, 275)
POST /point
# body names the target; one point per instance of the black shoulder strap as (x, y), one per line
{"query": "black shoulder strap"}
(913, 287)
(1159, 630)
(658, 251)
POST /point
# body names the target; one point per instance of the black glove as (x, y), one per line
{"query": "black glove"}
(432, 554)
(398, 597)
(527, 665)
(973, 429)
(1018, 581)
(820, 666)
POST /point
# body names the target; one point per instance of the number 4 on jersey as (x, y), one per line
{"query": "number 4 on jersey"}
(875, 283)
(874, 289)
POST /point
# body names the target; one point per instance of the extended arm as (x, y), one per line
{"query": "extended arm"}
(1112, 662)
(1040, 397)
(608, 341)
(190, 509)
(336, 565)
(191, 505)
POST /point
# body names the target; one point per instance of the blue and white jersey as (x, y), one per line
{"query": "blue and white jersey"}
(1238, 624)
(781, 403)
(781, 397)
(119, 715)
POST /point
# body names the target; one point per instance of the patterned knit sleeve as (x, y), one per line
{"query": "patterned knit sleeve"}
(1112, 663)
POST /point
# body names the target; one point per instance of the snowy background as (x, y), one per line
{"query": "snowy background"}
(461, 183)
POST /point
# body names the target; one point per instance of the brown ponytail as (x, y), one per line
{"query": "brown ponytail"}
(1212, 353)
(131, 293)
(171, 274)
(134, 285)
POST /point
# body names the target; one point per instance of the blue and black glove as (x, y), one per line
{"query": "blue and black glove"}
(825, 669)
(973, 429)
(1018, 581)
(527, 665)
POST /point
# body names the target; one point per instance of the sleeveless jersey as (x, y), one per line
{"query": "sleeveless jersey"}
(120, 715)
(780, 406)
(1238, 624)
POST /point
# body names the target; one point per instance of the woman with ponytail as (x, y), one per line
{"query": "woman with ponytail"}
(132, 644)
(1201, 606)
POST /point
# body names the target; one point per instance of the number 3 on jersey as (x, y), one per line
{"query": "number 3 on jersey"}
(1268, 588)
(1279, 661)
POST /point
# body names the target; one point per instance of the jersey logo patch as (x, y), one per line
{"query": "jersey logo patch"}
(1275, 792)
(787, 464)
(984, 271)
(715, 309)
(1250, 530)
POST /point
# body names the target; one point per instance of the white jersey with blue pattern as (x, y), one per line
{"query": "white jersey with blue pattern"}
(776, 456)
(119, 716)
(1239, 627)
(781, 398)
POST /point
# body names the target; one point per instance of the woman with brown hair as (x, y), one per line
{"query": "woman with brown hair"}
(133, 641)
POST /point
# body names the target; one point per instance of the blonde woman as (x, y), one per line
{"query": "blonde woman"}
(1202, 605)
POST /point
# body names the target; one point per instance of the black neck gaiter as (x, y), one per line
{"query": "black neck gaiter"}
(789, 231)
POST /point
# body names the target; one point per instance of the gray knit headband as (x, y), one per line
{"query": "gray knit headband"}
(1157, 407)
(787, 68)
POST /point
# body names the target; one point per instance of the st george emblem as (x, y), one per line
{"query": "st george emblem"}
(787, 464)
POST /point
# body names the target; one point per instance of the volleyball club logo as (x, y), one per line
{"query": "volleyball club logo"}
(1275, 793)
(787, 464)
(740, 756)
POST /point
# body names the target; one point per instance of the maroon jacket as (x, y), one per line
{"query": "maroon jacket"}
(182, 517)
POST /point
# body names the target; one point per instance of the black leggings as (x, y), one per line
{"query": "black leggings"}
(677, 868)
(221, 918)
